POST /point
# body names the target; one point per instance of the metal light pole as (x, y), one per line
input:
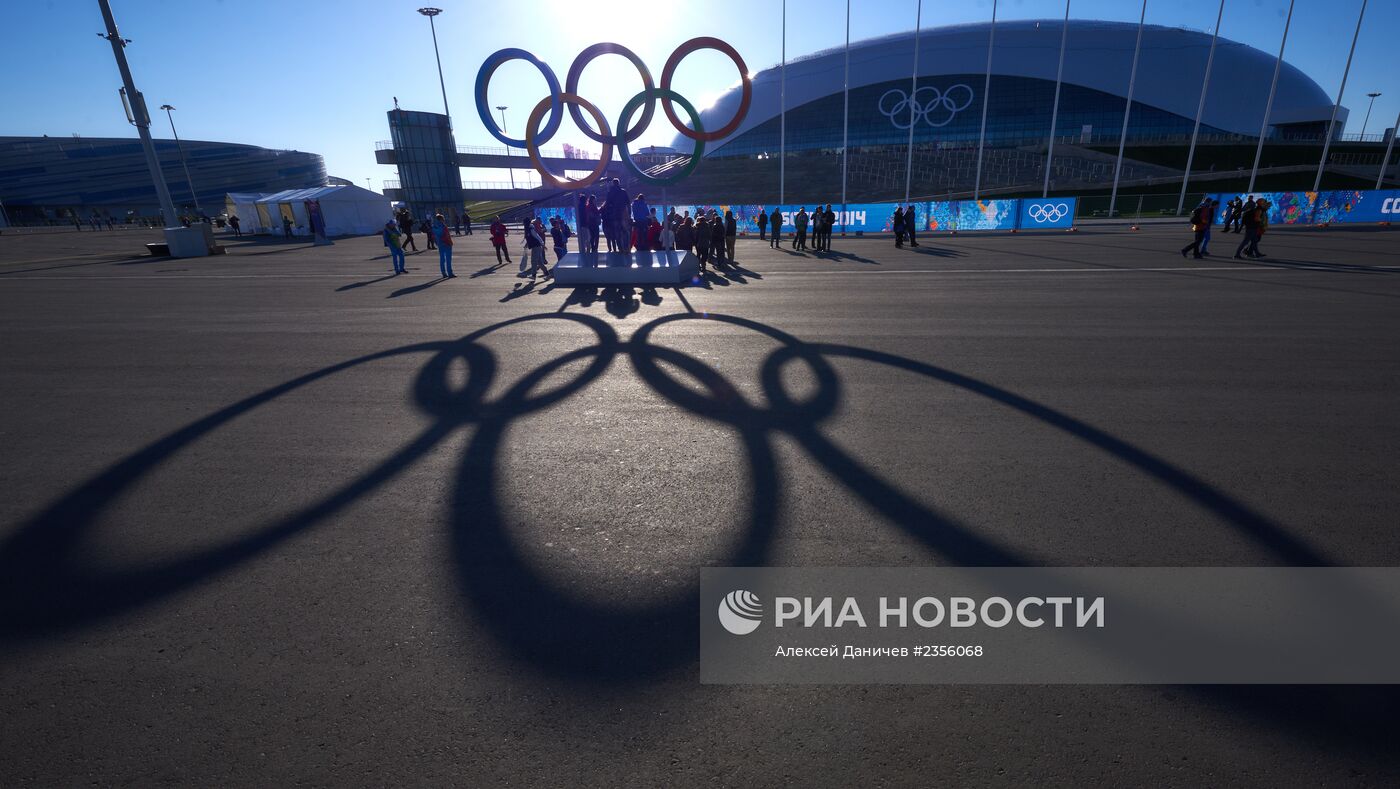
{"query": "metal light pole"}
(1368, 114)
(986, 97)
(913, 117)
(782, 116)
(181, 148)
(1127, 112)
(1269, 106)
(846, 116)
(502, 109)
(1385, 160)
(142, 118)
(1200, 110)
(1055, 113)
(1327, 141)
(430, 13)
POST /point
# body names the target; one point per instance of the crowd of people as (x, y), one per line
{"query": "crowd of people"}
(1248, 215)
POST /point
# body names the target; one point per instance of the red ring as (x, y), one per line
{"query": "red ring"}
(694, 44)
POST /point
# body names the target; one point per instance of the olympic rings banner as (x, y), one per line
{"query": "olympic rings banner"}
(960, 215)
(600, 131)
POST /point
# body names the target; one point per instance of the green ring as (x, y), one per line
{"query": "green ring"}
(648, 94)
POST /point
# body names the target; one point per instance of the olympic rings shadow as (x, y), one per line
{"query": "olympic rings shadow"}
(45, 588)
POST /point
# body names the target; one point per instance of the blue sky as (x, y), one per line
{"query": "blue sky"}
(318, 76)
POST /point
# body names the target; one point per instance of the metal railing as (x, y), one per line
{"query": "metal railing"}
(491, 150)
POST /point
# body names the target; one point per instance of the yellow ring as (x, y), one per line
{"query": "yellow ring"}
(532, 128)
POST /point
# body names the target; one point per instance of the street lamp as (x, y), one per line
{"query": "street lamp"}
(504, 130)
(1368, 114)
(430, 13)
(183, 163)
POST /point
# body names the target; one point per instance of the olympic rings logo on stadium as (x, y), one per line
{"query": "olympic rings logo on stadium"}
(937, 109)
(535, 136)
(1047, 212)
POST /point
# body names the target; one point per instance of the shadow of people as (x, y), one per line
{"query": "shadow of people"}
(416, 288)
(354, 285)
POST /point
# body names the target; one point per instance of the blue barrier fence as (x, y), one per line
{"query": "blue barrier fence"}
(1322, 208)
(1056, 213)
(961, 215)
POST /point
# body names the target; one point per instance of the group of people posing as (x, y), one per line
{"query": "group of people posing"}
(1251, 216)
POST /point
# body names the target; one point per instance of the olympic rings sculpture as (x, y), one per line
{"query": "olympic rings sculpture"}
(938, 108)
(1047, 212)
(627, 132)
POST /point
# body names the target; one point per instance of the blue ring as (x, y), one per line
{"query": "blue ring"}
(483, 107)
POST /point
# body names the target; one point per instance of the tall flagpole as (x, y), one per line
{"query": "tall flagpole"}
(913, 117)
(1127, 112)
(1327, 143)
(986, 97)
(1200, 110)
(782, 117)
(845, 115)
(1269, 106)
(1385, 160)
(1055, 113)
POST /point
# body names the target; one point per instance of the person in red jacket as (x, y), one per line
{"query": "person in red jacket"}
(498, 240)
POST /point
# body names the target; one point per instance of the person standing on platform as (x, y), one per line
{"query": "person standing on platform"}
(595, 223)
(775, 226)
(614, 211)
(440, 229)
(499, 231)
(581, 220)
(685, 235)
(762, 224)
(731, 233)
(667, 239)
(641, 219)
(393, 239)
(911, 225)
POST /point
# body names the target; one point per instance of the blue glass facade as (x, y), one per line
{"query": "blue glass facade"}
(47, 177)
(426, 155)
(949, 108)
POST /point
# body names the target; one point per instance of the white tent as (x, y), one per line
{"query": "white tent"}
(244, 206)
(348, 210)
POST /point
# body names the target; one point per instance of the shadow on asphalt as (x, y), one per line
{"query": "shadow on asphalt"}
(416, 288)
(47, 588)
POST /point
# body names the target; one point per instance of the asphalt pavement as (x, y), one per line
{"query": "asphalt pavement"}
(282, 517)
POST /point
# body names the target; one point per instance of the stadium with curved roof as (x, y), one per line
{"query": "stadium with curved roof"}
(1025, 57)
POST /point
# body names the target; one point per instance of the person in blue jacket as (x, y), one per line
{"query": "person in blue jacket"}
(641, 219)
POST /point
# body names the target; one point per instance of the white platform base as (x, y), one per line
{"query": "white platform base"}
(188, 242)
(622, 268)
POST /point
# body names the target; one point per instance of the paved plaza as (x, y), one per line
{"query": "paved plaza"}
(280, 517)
